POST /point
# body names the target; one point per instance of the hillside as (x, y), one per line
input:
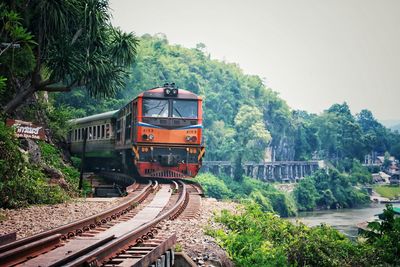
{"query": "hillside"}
(242, 117)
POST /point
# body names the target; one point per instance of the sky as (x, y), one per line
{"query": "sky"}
(313, 52)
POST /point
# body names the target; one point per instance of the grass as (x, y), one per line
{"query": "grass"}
(388, 191)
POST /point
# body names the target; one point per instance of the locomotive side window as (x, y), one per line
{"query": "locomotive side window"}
(128, 122)
(184, 109)
(155, 108)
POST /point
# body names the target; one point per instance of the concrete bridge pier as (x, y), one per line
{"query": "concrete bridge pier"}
(279, 171)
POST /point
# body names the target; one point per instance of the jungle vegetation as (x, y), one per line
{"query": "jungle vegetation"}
(252, 237)
(52, 46)
(242, 117)
(95, 67)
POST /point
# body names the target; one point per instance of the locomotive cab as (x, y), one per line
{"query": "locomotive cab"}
(157, 134)
(166, 136)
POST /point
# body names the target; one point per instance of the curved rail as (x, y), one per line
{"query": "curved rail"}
(27, 245)
(113, 248)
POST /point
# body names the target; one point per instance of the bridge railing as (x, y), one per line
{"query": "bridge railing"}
(277, 171)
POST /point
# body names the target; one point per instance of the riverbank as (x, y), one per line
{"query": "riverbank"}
(389, 192)
(344, 220)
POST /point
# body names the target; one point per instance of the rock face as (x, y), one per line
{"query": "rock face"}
(56, 177)
(52, 173)
(33, 150)
(284, 149)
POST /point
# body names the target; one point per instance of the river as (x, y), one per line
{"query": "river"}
(344, 220)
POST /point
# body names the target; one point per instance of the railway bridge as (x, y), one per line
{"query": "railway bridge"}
(276, 171)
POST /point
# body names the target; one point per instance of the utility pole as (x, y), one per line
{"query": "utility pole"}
(85, 135)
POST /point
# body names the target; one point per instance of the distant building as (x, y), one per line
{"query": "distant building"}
(381, 178)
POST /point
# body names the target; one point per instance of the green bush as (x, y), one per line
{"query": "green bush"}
(306, 194)
(329, 190)
(256, 238)
(52, 156)
(213, 187)
(22, 183)
(10, 156)
(261, 200)
(247, 188)
(384, 237)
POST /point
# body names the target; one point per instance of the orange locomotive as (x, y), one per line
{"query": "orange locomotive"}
(157, 134)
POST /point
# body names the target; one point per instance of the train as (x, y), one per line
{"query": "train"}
(158, 134)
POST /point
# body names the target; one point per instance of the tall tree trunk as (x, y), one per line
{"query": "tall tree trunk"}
(19, 99)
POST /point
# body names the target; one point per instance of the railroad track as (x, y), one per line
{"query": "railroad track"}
(126, 235)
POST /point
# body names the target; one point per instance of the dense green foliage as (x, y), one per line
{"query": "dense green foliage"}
(255, 238)
(384, 236)
(23, 183)
(242, 117)
(329, 190)
(213, 187)
(72, 45)
(52, 157)
(52, 46)
(266, 195)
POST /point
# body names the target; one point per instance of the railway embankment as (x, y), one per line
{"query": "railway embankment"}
(191, 237)
(38, 218)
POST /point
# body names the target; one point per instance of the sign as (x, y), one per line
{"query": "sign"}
(24, 129)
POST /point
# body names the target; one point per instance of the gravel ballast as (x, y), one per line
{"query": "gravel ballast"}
(36, 219)
(190, 233)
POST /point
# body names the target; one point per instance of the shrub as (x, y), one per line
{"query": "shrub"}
(22, 183)
(10, 156)
(329, 190)
(247, 188)
(256, 238)
(213, 187)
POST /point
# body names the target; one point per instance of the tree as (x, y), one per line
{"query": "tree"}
(375, 134)
(252, 136)
(306, 194)
(73, 45)
(385, 236)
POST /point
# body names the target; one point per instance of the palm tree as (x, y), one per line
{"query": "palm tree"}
(73, 44)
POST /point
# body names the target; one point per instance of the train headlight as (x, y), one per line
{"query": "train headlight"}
(151, 137)
(193, 139)
(144, 137)
(170, 90)
(188, 138)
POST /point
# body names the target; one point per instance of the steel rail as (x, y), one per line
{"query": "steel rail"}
(112, 249)
(22, 246)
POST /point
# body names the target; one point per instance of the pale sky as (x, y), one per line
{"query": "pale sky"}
(313, 52)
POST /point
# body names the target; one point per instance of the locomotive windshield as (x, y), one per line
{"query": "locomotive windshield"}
(155, 108)
(184, 109)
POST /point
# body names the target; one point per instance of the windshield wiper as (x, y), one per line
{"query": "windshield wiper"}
(178, 112)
